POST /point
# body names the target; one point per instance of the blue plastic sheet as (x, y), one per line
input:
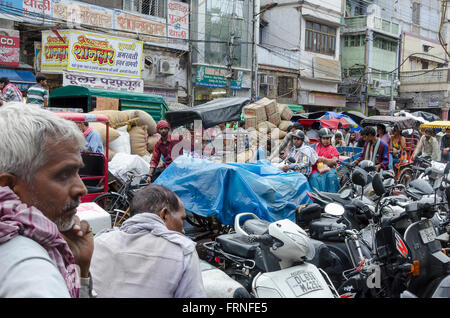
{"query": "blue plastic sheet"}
(208, 188)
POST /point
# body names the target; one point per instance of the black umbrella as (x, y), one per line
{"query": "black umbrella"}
(355, 115)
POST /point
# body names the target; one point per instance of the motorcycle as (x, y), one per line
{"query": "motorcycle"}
(270, 259)
(412, 264)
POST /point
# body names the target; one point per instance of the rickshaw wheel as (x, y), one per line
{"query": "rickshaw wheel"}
(111, 202)
(406, 176)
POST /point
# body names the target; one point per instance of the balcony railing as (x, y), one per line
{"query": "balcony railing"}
(439, 75)
(373, 22)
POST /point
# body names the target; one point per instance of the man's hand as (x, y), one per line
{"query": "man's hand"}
(286, 168)
(81, 243)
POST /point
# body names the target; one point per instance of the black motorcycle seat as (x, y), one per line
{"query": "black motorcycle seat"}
(325, 224)
(237, 244)
(335, 197)
(255, 226)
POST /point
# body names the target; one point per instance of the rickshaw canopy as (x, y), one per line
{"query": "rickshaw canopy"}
(220, 110)
(436, 124)
(325, 123)
(401, 122)
(82, 117)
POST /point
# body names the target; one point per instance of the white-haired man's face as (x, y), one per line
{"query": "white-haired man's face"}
(56, 187)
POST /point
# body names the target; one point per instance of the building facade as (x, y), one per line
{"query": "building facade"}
(221, 49)
(299, 54)
(161, 26)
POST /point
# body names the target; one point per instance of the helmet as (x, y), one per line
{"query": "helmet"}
(325, 133)
(367, 165)
(299, 134)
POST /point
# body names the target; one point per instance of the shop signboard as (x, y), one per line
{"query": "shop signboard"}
(169, 95)
(103, 54)
(178, 25)
(55, 51)
(103, 82)
(37, 11)
(9, 47)
(152, 29)
(79, 13)
(210, 76)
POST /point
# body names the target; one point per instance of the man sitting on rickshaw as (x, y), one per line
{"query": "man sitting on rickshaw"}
(301, 157)
(93, 139)
(375, 149)
(445, 146)
(428, 146)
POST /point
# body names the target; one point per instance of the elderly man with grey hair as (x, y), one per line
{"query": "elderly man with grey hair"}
(149, 256)
(45, 251)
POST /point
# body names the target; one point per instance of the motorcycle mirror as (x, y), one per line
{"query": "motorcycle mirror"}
(334, 209)
(291, 160)
(377, 184)
(447, 168)
(428, 171)
(359, 177)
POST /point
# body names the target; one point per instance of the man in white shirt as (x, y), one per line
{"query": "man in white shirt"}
(149, 256)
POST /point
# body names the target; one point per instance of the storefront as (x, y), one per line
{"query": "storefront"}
(214, 82)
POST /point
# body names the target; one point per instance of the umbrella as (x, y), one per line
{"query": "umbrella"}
(356, 116)
(343, 119)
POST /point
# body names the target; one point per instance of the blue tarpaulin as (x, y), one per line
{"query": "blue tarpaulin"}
(208, 188)
(331, 115)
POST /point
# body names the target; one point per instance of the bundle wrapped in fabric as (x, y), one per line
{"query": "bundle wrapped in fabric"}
(258, 187)
(151, 142)
(284, 125)
(285, 112)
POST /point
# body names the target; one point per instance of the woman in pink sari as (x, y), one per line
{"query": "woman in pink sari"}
(324, 176)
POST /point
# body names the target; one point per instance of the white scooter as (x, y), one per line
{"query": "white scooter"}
(269, 259)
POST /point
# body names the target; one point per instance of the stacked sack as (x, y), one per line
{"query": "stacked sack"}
(267, 119)
(130, 131)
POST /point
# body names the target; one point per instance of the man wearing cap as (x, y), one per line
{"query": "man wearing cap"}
(428, 146)
(287, 143)
(164, 148)
(301, 157)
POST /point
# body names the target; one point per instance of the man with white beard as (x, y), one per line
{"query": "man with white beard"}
(45, 251)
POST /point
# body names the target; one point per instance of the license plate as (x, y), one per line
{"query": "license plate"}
(428, 235)
(303, 283)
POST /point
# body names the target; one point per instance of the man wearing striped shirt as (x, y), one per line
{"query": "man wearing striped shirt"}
(38, 94)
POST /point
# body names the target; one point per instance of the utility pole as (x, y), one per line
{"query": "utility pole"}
(231, 48)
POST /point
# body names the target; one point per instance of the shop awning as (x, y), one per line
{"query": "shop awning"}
(18, 76)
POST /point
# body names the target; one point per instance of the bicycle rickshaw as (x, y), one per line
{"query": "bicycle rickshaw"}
(403, 169)
(94, 174)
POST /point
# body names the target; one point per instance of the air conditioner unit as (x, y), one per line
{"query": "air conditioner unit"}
(166, 67)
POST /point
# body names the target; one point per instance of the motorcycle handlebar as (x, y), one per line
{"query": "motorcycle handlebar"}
(331, 233)
(266, 239)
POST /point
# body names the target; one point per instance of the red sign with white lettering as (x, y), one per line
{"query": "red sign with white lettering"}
(9, 47)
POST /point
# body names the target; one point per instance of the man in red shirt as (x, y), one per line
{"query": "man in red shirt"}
(163, 147)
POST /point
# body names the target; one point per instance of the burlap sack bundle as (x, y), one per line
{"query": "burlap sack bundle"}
(116, 118)
(143, 119)
(151, 142)
(101, 128)
(284, 124)
(138, 140)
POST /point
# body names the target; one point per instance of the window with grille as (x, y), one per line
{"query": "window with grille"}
(285, 87)
(155, 8)
(320, 38)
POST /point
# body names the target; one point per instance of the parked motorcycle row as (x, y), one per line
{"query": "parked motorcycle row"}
(374, 239)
